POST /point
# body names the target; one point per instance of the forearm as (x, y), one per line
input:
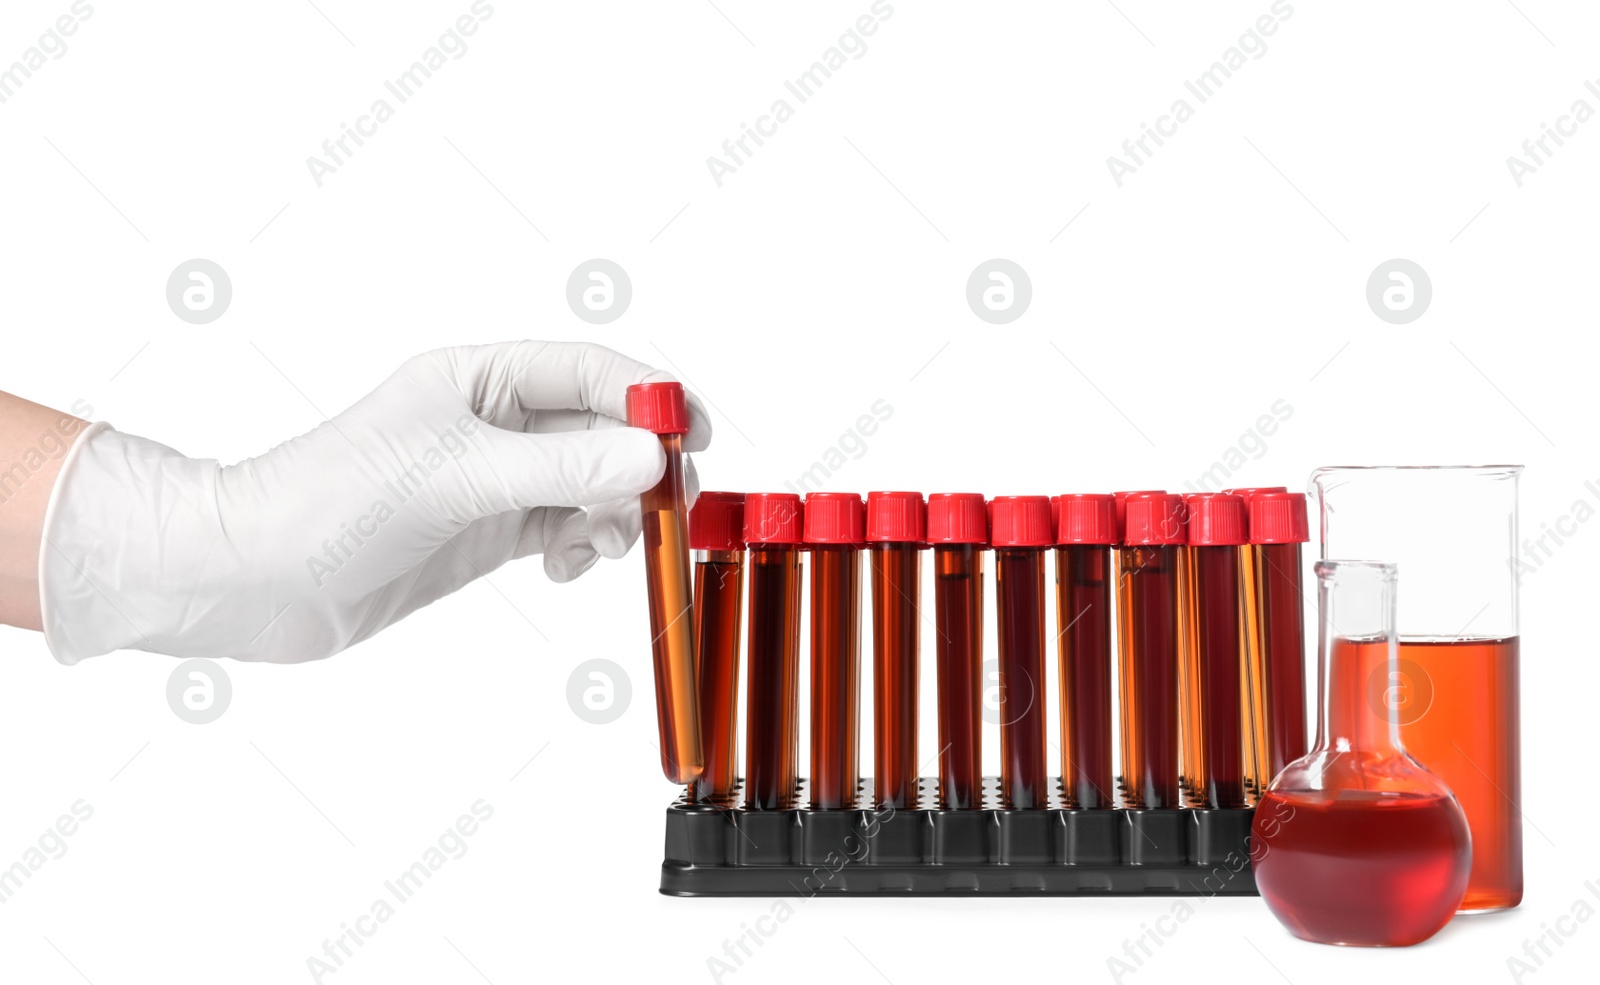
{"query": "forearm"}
(34, 441)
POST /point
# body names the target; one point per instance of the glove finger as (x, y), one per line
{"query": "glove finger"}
(568, 552)
(569, 419)
(699, 436)
(571, 375)
(615, 527)
(573, 468)
(536, 526)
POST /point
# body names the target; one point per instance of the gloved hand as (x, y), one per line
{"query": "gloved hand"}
(462, 460)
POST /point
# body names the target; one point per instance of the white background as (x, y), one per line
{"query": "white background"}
(826, 274)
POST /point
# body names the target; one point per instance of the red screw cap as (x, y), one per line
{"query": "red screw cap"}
(1152, 518)
(1217, 519)
(773, 518)
(658, 407)
(1122, 506)
(957, 518)
(1020, 521)
(716, 523)
(1279, 518)
(899, 517)
(834, 518)
(1086, 518)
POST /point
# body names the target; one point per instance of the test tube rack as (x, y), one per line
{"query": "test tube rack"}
(727, 850)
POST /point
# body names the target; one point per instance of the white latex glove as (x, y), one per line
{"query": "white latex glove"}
(462, 460)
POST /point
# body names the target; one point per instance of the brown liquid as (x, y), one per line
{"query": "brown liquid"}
(772, 740)
(835, 674)
(958, 618)
(1218, 654)
(895, 646)
(718, 599)
(1275, 709)
(1083, 646)
(1019, 601)
(666, 566)
(1191, 712)
(1148, 606)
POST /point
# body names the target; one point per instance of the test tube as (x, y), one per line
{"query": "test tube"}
(1019, 530)
(1148, 598)
(1086, 527)
(1216, 528)
(1258, 771)
(834, 531)
(772, 529)
(896, 530)
(1278, 527)
(1124, 626)
(958, 529)
(716, 535)
(661, 408)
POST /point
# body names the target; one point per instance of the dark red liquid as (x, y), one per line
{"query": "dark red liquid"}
(1019, 599)
(1284, 638)
(895, 646)
(958, 620)
(1219, 652)
(772, 730)
(1083, 644)
(835, 674)
(1149, 596)
(1359, 867)
(718, 597)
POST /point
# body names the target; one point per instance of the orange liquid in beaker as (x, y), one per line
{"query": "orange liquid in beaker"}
(1468, 736)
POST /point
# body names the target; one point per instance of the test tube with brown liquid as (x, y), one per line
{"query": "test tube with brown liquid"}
(1278, 527)
(1124, 627)
(716, 535)
(835, 527)
(1020, 531)
(896, 531)
(772, 529)
(1216, 527)
(1153, 537)
(1086, 529)
(662, 409)
(1253, 674)
(958, 529)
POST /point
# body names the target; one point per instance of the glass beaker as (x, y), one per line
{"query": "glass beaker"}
(1452, 532)
(1354, 843)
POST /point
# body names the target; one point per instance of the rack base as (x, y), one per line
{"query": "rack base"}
(714, 850)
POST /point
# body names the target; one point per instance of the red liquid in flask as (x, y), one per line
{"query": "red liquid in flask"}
(1355, 842)
(1360, 867)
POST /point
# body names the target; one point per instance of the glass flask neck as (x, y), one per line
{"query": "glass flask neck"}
(1357, 658)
